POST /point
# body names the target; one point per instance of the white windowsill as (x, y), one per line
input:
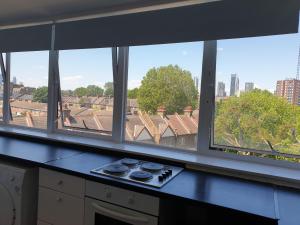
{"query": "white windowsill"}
(247, 167)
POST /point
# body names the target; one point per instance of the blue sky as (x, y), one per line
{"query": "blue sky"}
(262, 60)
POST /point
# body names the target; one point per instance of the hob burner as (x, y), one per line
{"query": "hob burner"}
(152, 167)
(129, 162)
(141, 175)
(116, 169)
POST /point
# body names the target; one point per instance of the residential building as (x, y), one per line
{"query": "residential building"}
(249, 86)
(234, 85)
(289, 89)
(221, 89)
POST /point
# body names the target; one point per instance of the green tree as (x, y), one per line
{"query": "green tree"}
(167, 86)
(80, 92)
(40, 95)
(93, 90)
(109, 89)
(258, 120)
(133, 93)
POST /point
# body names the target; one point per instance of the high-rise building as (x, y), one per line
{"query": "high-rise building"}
(289, 89)
(249, 86)
(221, 89)
(196, 82)
(14, 80)
(234, 85)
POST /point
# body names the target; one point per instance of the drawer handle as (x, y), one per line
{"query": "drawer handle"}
(119, 215)
(60, 182)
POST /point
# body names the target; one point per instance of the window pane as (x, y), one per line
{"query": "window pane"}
(258, 94)
(163, 94)
(29, 89)
(86, 80)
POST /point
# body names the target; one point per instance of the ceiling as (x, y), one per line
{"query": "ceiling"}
(28, 11)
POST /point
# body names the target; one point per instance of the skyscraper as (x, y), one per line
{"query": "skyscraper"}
(14, 80)
(196, 82)
(221, 89)
(249, 86)
(290, 90)
(234, 85)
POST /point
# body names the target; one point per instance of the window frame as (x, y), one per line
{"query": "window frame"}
(120, 58)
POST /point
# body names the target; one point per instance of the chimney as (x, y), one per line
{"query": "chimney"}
(161, 110)
(66, 112)
(188, 111)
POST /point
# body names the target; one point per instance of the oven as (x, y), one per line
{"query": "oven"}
(108, 205)
(103, 213)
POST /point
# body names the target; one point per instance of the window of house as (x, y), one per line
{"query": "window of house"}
(163, 94)
(29, 89)
(86, 91)
(257, 103)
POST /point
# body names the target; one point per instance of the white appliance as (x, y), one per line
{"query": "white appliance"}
(106, 204)
(18, 194)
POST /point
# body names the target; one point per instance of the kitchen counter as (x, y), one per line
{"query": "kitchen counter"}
(198, 187)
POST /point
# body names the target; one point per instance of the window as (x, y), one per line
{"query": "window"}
(29, 89)
(257, 95)
(2, 77)
(86, 91)
(163, 94)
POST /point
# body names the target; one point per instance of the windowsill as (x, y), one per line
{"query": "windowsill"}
(247, 167)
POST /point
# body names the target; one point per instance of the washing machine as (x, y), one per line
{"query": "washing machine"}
(18, 194)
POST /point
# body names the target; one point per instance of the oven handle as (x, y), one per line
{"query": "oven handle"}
(110, 212)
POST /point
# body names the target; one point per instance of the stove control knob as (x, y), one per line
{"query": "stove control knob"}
(169, 172)
(160, 178)
(164, 175)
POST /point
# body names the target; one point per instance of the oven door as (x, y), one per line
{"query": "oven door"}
(102, 213)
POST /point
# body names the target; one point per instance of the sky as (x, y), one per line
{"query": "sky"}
(261, 60)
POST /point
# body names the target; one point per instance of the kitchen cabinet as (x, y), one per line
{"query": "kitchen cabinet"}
(61, 198)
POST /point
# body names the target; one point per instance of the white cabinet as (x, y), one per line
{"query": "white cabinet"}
(61, 198)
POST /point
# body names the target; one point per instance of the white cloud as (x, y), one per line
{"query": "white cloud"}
(72, 78)
(220, 49)
(184, 53)
(134, 83)
(39, 67)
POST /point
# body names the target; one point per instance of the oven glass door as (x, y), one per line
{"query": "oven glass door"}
(103, 213)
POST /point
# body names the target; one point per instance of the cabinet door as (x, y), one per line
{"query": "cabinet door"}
(60, 209)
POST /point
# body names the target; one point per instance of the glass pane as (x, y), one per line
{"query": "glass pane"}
(86, 80)
(258, 94)
(2, 88)
(29, 89)
(163, 94)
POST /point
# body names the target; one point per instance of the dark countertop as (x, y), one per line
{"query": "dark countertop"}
(197, 187)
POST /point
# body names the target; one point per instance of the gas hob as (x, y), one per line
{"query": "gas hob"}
(143, 172)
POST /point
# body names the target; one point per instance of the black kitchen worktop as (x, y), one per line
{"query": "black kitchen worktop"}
(195, 186)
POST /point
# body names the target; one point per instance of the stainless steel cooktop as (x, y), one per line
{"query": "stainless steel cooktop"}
(147, 173)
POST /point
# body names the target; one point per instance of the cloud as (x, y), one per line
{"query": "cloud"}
(220, 49)
(39, 67)
(134, 84)
(72, 78)
(184, 53)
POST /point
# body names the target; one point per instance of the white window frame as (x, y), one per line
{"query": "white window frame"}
(120, 58)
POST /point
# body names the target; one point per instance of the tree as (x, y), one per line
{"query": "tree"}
(167, 86)
(40, 95)
(80, 92)
(109, 89)
(133, 93)
(258, 120)
(93, 90)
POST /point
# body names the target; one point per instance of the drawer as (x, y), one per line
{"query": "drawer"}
(42, 223)
(62, 182)
(59, 208)
(129, 199)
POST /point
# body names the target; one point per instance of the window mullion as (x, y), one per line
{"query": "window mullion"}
(207, 96)
(120, 71)
(6, 93)
(52, 87)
